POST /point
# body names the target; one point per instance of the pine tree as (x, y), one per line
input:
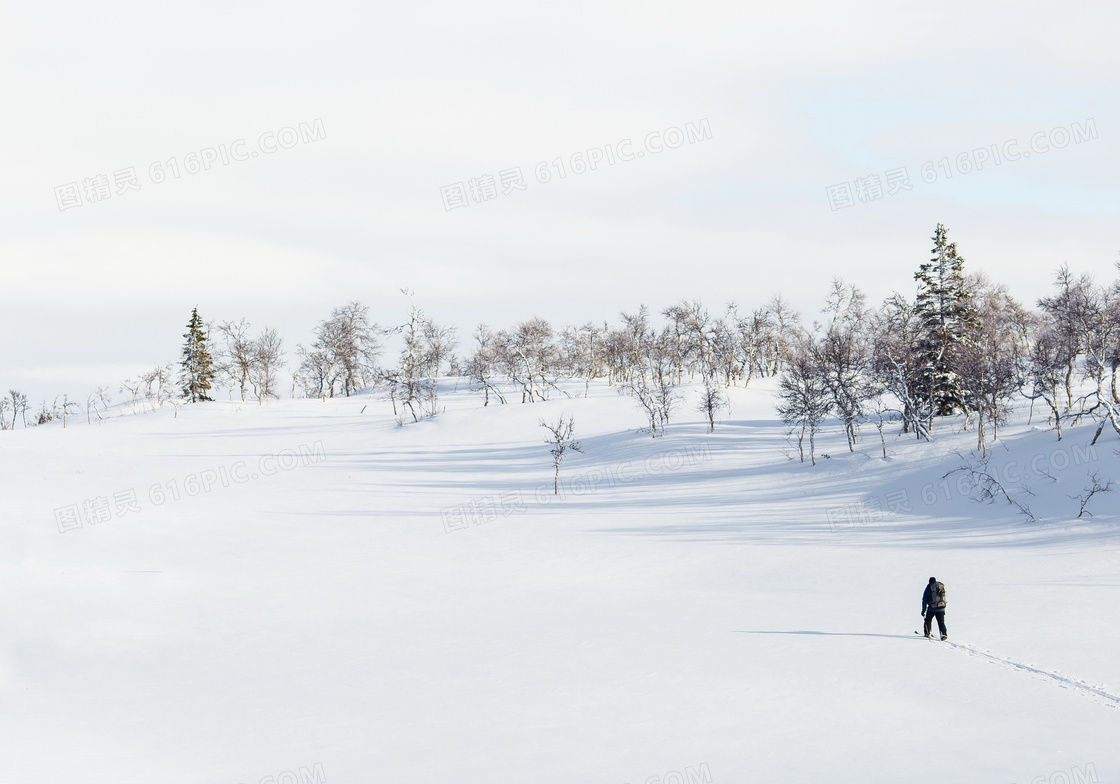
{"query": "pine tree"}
(197, 367)
(947, 319)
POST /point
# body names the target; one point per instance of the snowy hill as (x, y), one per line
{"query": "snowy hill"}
(304, 591)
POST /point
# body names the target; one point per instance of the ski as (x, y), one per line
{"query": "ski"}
(931, 637)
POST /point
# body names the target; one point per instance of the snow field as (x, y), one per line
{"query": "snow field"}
(713, 604)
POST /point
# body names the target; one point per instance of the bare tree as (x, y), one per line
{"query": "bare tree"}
(876, 410)
(482, 363)
(561, 441)
(91, 408)
(67, 408)
(648, 369)
(591, 338)
(804, 399)
(985, 486)
(845, 355)
(784, 336)
(156, 384)
(1098, 332)
(19, 407)
(102, 398)
(355, 345)
(345, 351)
(316, 372)
(410, 382)
(235, 359)
(990, 362)
(164, 384)
(581, 353)
(1097, 487)
(134, 387)
(570, 351)
(1044, 373)
(1110, 350)
(645, 392)
(530, 356)
(753, 335)
(150, 386)
(1065, 310)
(439, 343)
(712, 400)
(266, 353)
(723, 351)
(897, 365)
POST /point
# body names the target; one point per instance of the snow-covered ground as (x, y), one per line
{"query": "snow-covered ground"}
(303, 591)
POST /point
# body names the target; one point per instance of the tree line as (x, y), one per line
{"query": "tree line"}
(961, 345)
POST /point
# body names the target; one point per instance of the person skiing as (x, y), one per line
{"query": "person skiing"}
(933, 604)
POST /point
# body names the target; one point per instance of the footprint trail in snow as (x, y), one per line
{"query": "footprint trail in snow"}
(1062, 681)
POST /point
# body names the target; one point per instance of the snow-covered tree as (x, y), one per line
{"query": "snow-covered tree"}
(1098, 329)
(1066, 311)
(483, 363)
(196, 367)
(236, 354)
(897, 364)
(784, 336)
(648, 368)
(355, 345)
(344, 351)
(1045, 371)
(948, 319)
(411, 382)
(530, 357)
(20, 406)
(266, 356)
(845, 355)
(804, 399)
(992, 362)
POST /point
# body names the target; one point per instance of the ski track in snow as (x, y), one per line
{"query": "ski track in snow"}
(1062, 681)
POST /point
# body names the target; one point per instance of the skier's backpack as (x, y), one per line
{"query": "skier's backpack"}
(937, 600)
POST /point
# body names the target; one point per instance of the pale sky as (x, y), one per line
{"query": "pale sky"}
(797, 96)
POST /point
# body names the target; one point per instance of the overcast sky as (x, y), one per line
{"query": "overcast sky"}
(769, 105)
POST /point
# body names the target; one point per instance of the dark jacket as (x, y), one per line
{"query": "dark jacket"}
(927, 598)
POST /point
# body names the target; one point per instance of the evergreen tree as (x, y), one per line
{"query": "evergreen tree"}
(197, 367)
(947, 320)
